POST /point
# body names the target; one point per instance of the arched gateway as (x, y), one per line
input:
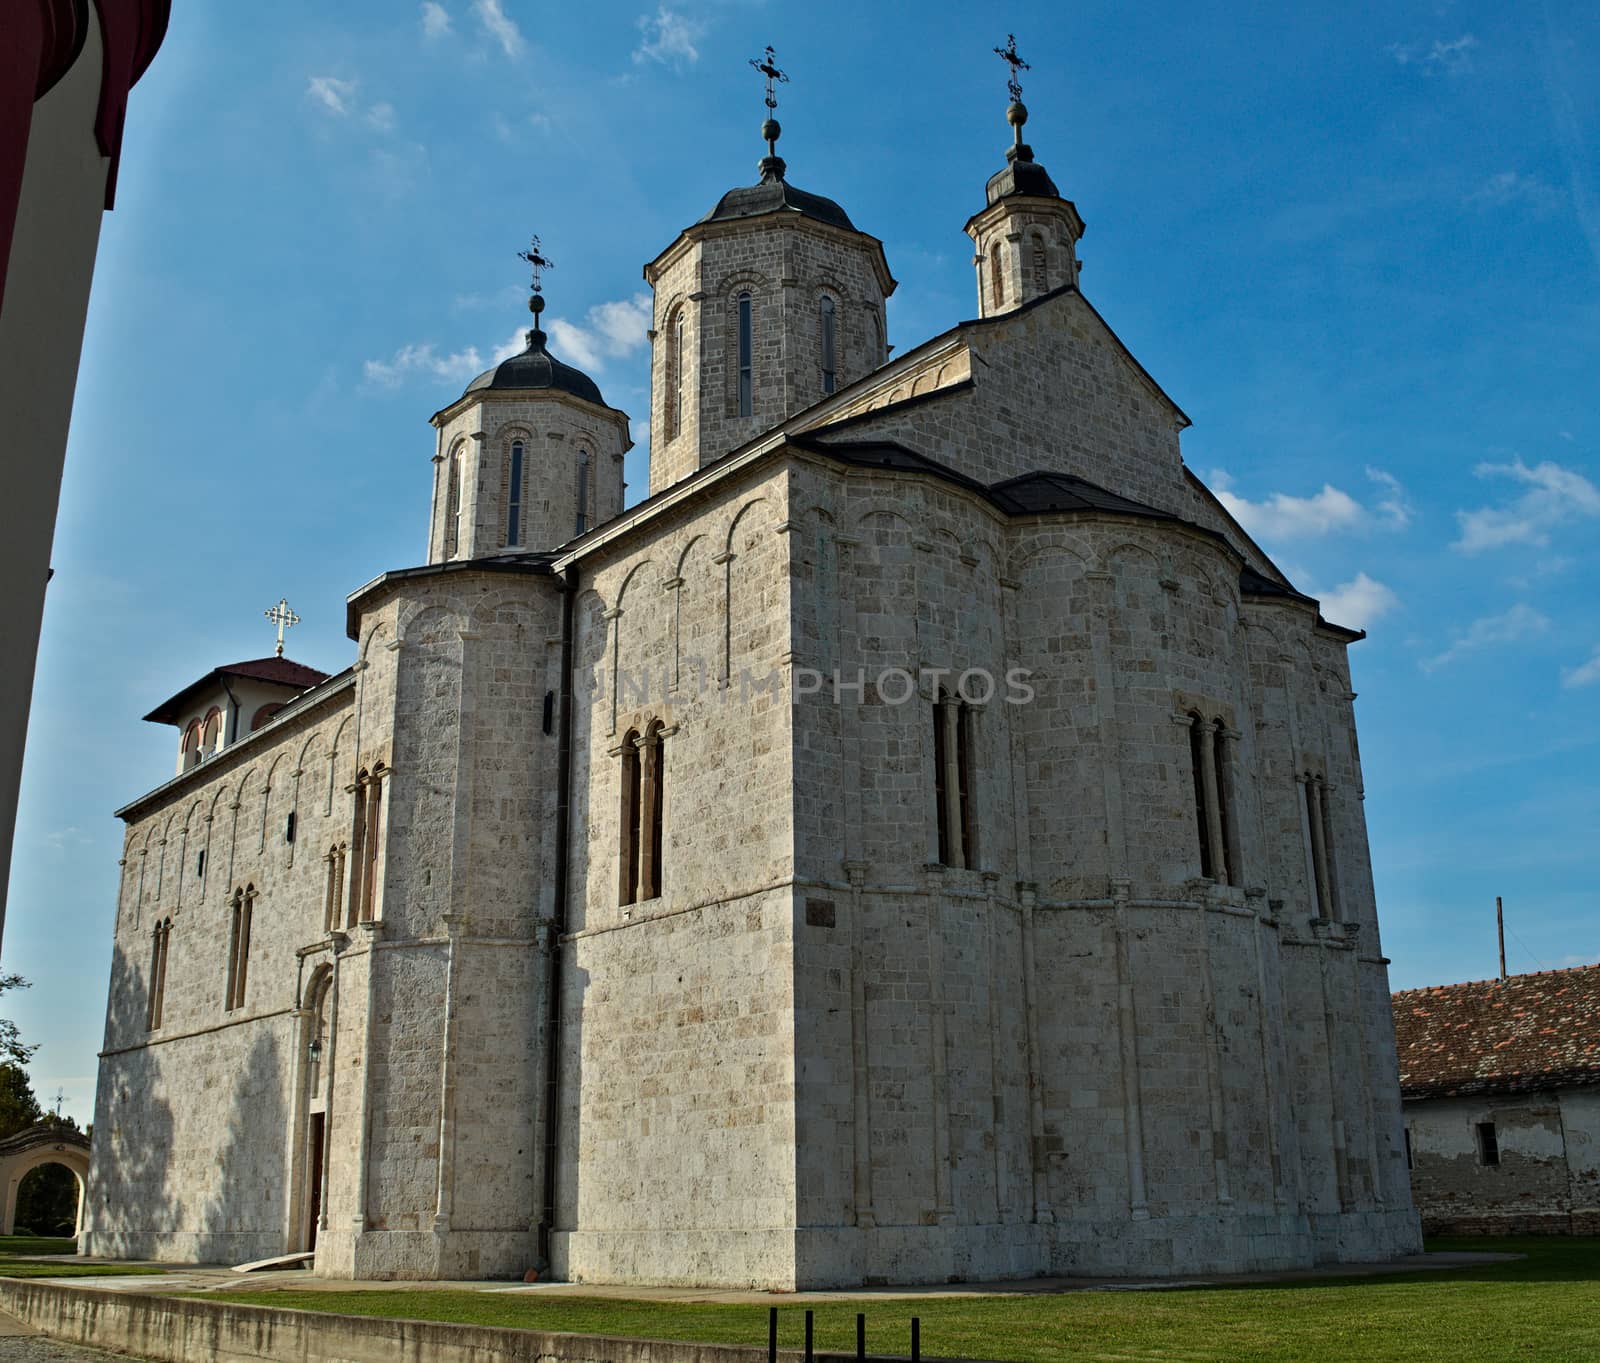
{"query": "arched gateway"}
(24, 1152)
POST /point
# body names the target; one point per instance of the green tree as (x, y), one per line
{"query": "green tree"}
(19, 1108)
(47, 1200)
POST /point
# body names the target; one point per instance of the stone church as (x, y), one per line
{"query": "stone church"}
(921, 840)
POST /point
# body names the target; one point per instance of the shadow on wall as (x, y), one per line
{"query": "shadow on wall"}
(244, 1212)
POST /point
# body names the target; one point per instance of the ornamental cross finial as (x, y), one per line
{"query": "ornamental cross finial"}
(538, 262)
(768, 67)
(1008, 54)
(283, 618)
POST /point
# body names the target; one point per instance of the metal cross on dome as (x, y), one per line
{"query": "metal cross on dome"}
(1008, 54)
(537, 261)
(283, 618)
(768, 67)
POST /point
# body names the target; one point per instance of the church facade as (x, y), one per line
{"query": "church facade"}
(922, 840)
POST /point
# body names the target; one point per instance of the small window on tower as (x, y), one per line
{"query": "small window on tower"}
(830, 345)
(746, 356)
(514, 496)
(584, 481)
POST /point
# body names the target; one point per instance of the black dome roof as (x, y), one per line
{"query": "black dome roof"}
(1022, 175)
(775, 194)
(536, 367)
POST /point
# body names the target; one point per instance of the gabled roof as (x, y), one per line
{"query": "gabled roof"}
(278, 671)
(1516, 1035)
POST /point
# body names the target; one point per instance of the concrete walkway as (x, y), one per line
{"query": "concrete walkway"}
(218, 1278)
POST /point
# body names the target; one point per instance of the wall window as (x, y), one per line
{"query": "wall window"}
(643, 805)
(364, 842)
(874, 339)
(210, 732)
(1211, 764)
(333, 906)
(189, 746)
(1488, 1144)
(1041, 267)
(1410, 1163)
(746, 369)
(452, 504)
(263, 714)
(585, 490)
(674, 383)
(514, 495)
(997, 278)
(239, 947)
(953, 767)
(1319, 830)
(160, 935)
(830, 344)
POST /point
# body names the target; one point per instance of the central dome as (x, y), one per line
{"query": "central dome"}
(537, 368)
(777, 195)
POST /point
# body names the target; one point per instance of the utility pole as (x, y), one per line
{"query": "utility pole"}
(1500, 924)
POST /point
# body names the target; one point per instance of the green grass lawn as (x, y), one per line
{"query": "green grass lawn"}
(1545, 1307)
(16, 1263)
(11, 1245)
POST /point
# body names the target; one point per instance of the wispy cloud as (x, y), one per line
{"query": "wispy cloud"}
(1584, 674)
(669, 38)
(1511, 188)
(381, 116)
(331, 93)
(608, 331)
(1571, 128)
(1554, 496)
(435, 20)
(1283, 516)
(1453, 55)
(1509, 627)
(414, 361)
(1358, 602)
(499, 26)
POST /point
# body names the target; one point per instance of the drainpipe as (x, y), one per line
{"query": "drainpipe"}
(232, 731)
(556, 927)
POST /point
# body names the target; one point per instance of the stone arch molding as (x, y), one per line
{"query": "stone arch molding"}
(24, 1152)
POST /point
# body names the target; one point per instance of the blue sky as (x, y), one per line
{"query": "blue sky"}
(1359, 244)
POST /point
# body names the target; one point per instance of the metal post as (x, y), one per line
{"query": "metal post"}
(861, 1336)
(810, 1354)
(1500, 924)
(772, 1335)
(916, 1340)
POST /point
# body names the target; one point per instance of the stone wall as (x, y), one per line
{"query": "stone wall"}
(1547, 1180)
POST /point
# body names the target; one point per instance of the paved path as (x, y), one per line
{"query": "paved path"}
(19, 1344)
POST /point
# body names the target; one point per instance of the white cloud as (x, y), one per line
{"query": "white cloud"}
(1554, 496)
(1509, 188)
(435, 20)
(381, 116)
(1520, 622)
(420, 360)
(333, 94)
(1584, 674)
(640, 430)
(1453, 56)
(513, 344)
(1283, 516)
(1358, 603)
(609, 331)
(499, 26)
(669, 38)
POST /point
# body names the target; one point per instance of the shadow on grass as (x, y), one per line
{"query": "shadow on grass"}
(36, 1244)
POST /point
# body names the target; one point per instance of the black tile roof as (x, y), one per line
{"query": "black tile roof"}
(537, 368)
(279, 671)
(777, 196)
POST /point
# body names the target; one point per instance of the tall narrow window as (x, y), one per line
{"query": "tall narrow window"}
(189, 749)
(583, 491)
(1197, 752)
(746, 356)
(371, 844)
(210, 732)
(358, 846)
(333, 910)
(675, 374)
(653, 795)
(1223, 773)
(239, 948)
(1041, 270)
(874, 339)
(830, 345)
(939, 793)
(952, 782)
(1488, 1144)
(628, 829)
(1319, 827)
(159, 938)
(997, 278)
(969, 849)
(452, 504)
(514, 496)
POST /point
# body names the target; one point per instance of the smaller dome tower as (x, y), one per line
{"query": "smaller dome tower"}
(1026, 240)
(528, 457)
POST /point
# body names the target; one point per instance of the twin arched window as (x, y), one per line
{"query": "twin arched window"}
(160, 936)
(365, 839)
(1319, 824)
(243, 902)
(1210, 757)
(828, 317)
(952, 781)
(643, 798)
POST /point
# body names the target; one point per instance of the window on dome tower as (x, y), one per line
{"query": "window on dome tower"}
(746, 358)
(830, 344)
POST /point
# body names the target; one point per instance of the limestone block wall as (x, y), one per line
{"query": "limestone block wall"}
(677, 1136)
(1547, 1180)
(787, 264)
(560, 434)
(198, 1151)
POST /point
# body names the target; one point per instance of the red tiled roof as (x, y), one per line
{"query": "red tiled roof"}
(1500, 1036)
(279, 671)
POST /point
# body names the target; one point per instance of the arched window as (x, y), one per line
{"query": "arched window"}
(585, 489)
(332, 910)
(997, 278)
(159, 937)
(874, 339)
(746, 369)
(653, 798)
(239, 947)
(370, 846)
(828, 317)
(514, 496)
(674, 384)
(1211, 758)
(952, 781)
(628, 826)
(189, 746)
(452, 504)
(1319, 824)
(210, 732)
(265, 713)
(1041, 266)
(1202, 802)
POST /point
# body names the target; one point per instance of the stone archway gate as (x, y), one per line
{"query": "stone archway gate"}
(24, 1152)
